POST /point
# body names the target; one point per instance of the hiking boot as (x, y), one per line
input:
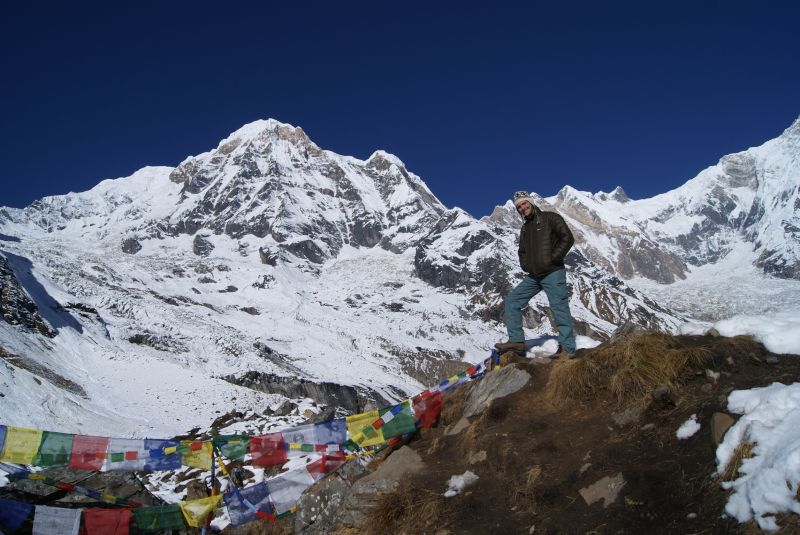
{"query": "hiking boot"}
(562, 353)
(510, 346)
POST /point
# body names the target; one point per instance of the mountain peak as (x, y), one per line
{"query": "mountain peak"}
(793, 132)
(381, 158)
(618, 194)
(267, 129)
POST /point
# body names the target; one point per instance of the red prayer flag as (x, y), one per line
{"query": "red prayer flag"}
(107, 521)
(326, 464)
(88, 452)
(427, 408)
(268, 450)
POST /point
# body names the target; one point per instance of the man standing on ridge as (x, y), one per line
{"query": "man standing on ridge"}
(544, 241)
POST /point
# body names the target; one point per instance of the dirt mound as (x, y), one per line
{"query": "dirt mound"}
(588, 445)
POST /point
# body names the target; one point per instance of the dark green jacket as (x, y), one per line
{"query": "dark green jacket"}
(544, 241)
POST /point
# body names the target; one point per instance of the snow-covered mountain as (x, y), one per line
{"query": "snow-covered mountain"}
(266, 262)
(268, 268)
(736, 225)
(750, 199)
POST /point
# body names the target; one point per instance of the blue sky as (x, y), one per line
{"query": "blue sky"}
(479, 100)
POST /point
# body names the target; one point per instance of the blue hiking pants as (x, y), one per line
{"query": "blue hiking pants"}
(555, 287)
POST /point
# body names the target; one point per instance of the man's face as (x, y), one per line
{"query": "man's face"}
(525, 209)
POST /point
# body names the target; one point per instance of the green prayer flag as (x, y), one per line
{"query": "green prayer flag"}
(232, 446)
(160, 518)
(54, 450)
(402, 423)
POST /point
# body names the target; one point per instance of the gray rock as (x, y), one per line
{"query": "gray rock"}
(319, 508)
(131, 246)
(367, 491)
(201, 246)
(348, 398)
(495, 385)
(606, 489)
(456, 428)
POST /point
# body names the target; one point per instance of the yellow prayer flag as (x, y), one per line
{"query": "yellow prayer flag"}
(196, 511)
(198, 455)
(355, 425)
(21, 445)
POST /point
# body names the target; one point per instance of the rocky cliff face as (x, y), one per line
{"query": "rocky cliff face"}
(269, 180)
(16, 307)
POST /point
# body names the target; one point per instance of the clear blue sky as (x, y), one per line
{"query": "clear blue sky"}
(479, 99)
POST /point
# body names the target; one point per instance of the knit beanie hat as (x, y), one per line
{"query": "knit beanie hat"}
(522, 196)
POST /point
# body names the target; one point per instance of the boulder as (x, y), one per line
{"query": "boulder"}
(497, 384)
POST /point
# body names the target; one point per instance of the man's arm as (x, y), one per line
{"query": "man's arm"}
(564, 238)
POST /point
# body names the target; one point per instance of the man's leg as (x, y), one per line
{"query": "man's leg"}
(555, 286)
(515, 301)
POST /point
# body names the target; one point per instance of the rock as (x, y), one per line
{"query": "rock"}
(16, 306)
(347, 397)
(627, 329)
(713, 332)
(319, 507)
(626, 416)
(495, 385)
(720, 423)
(365, 492)
(772, 359)
(606, 489)
(131, 246)
(459, 426)
(477, 457)
(201, 246)
(268, 257)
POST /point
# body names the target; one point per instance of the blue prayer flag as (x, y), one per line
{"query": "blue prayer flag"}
(13, 514)
(331, 432)
(242, 503)
(158, 459)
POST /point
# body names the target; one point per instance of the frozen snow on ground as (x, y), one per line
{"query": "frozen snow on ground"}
(778, 331)
(770, 420)
(770, 478)
(547, 345)
(457, 484)
(688, 428)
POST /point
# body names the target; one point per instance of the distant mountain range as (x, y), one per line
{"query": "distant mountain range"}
(271, 263)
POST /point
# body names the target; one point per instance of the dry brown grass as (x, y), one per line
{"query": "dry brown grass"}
(743, 451)
(742, 343)
(407, 510)
(452, 407)
(630, 368)
(524, 493)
